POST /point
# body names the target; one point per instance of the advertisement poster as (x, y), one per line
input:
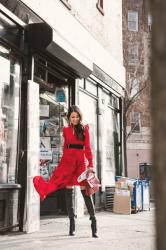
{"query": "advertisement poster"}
(49, 127)
(44, 110)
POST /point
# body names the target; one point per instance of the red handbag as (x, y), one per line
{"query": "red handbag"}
(92, 184)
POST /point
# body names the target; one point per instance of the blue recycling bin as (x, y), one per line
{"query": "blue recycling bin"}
(136, 196)
(145, 195)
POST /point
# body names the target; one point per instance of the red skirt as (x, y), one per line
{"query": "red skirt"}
(65, 174)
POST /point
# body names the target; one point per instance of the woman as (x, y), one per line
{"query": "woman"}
(73, 163)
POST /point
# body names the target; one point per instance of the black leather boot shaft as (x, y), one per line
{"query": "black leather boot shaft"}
(69, 196)
(72, 227)
(94, 228)
(89, 204)
(91, 210)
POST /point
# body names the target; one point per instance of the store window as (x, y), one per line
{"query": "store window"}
(91, 87)
(111, 136)
(114, 101)
(88, 107)
(54, 101)
(82, 83)
(9, 114)
(53, 108)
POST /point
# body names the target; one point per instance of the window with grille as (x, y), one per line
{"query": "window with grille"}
(132, 54)
(134, 87)
(135, 122)
(132, 20)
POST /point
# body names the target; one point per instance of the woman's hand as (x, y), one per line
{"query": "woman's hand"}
(91, 170)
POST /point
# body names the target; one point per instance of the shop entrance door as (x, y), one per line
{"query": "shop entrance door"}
(53, 106)
(56, 92)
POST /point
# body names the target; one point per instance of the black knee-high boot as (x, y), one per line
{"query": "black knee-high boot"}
(69, 195)
(91, 210)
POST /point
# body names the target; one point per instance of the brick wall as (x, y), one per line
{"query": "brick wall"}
(107, 28)
(139, 70)
(138, 142)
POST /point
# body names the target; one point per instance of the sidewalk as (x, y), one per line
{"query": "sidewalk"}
(116, 232)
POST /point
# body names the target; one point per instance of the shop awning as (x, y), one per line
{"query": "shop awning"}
(42, 37)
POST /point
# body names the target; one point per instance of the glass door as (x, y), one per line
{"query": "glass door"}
(53, 108)
(110, 138)
(54, 83)
(90, 118)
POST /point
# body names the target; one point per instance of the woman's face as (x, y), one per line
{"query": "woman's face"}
(74, 118)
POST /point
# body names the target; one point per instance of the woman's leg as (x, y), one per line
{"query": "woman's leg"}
(69, 196)
(91, 210)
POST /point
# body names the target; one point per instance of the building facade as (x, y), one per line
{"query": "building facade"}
(53, 59)
(136, 49)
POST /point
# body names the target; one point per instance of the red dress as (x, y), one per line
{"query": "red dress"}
(72, 164)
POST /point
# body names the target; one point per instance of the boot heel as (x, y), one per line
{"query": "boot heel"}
(72, 227)
(91, 210)
(94, 228)
(69, 195)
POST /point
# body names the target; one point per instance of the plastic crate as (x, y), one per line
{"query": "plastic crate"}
(145, 195)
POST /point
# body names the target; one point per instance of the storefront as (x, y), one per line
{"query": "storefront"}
(36, 90)
(41, 77)
(11, 66)
(101, 106)
(56, 90)
(55, 70)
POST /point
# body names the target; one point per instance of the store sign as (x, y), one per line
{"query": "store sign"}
(60, 95)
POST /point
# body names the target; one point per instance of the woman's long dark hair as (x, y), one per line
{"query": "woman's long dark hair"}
(79, 128)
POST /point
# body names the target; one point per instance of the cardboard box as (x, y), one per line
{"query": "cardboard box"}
(121, 183)
(122, 191)
(122, 203)
(124, 179)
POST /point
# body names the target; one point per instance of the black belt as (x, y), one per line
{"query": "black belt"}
(78, 146)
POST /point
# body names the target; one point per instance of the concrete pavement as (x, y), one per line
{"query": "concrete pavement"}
(116, 232)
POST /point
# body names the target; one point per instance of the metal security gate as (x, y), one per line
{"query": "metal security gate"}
(109, 198)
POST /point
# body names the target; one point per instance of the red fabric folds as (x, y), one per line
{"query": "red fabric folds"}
(72, 164)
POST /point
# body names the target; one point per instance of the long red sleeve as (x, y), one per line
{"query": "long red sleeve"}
(88, 152)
